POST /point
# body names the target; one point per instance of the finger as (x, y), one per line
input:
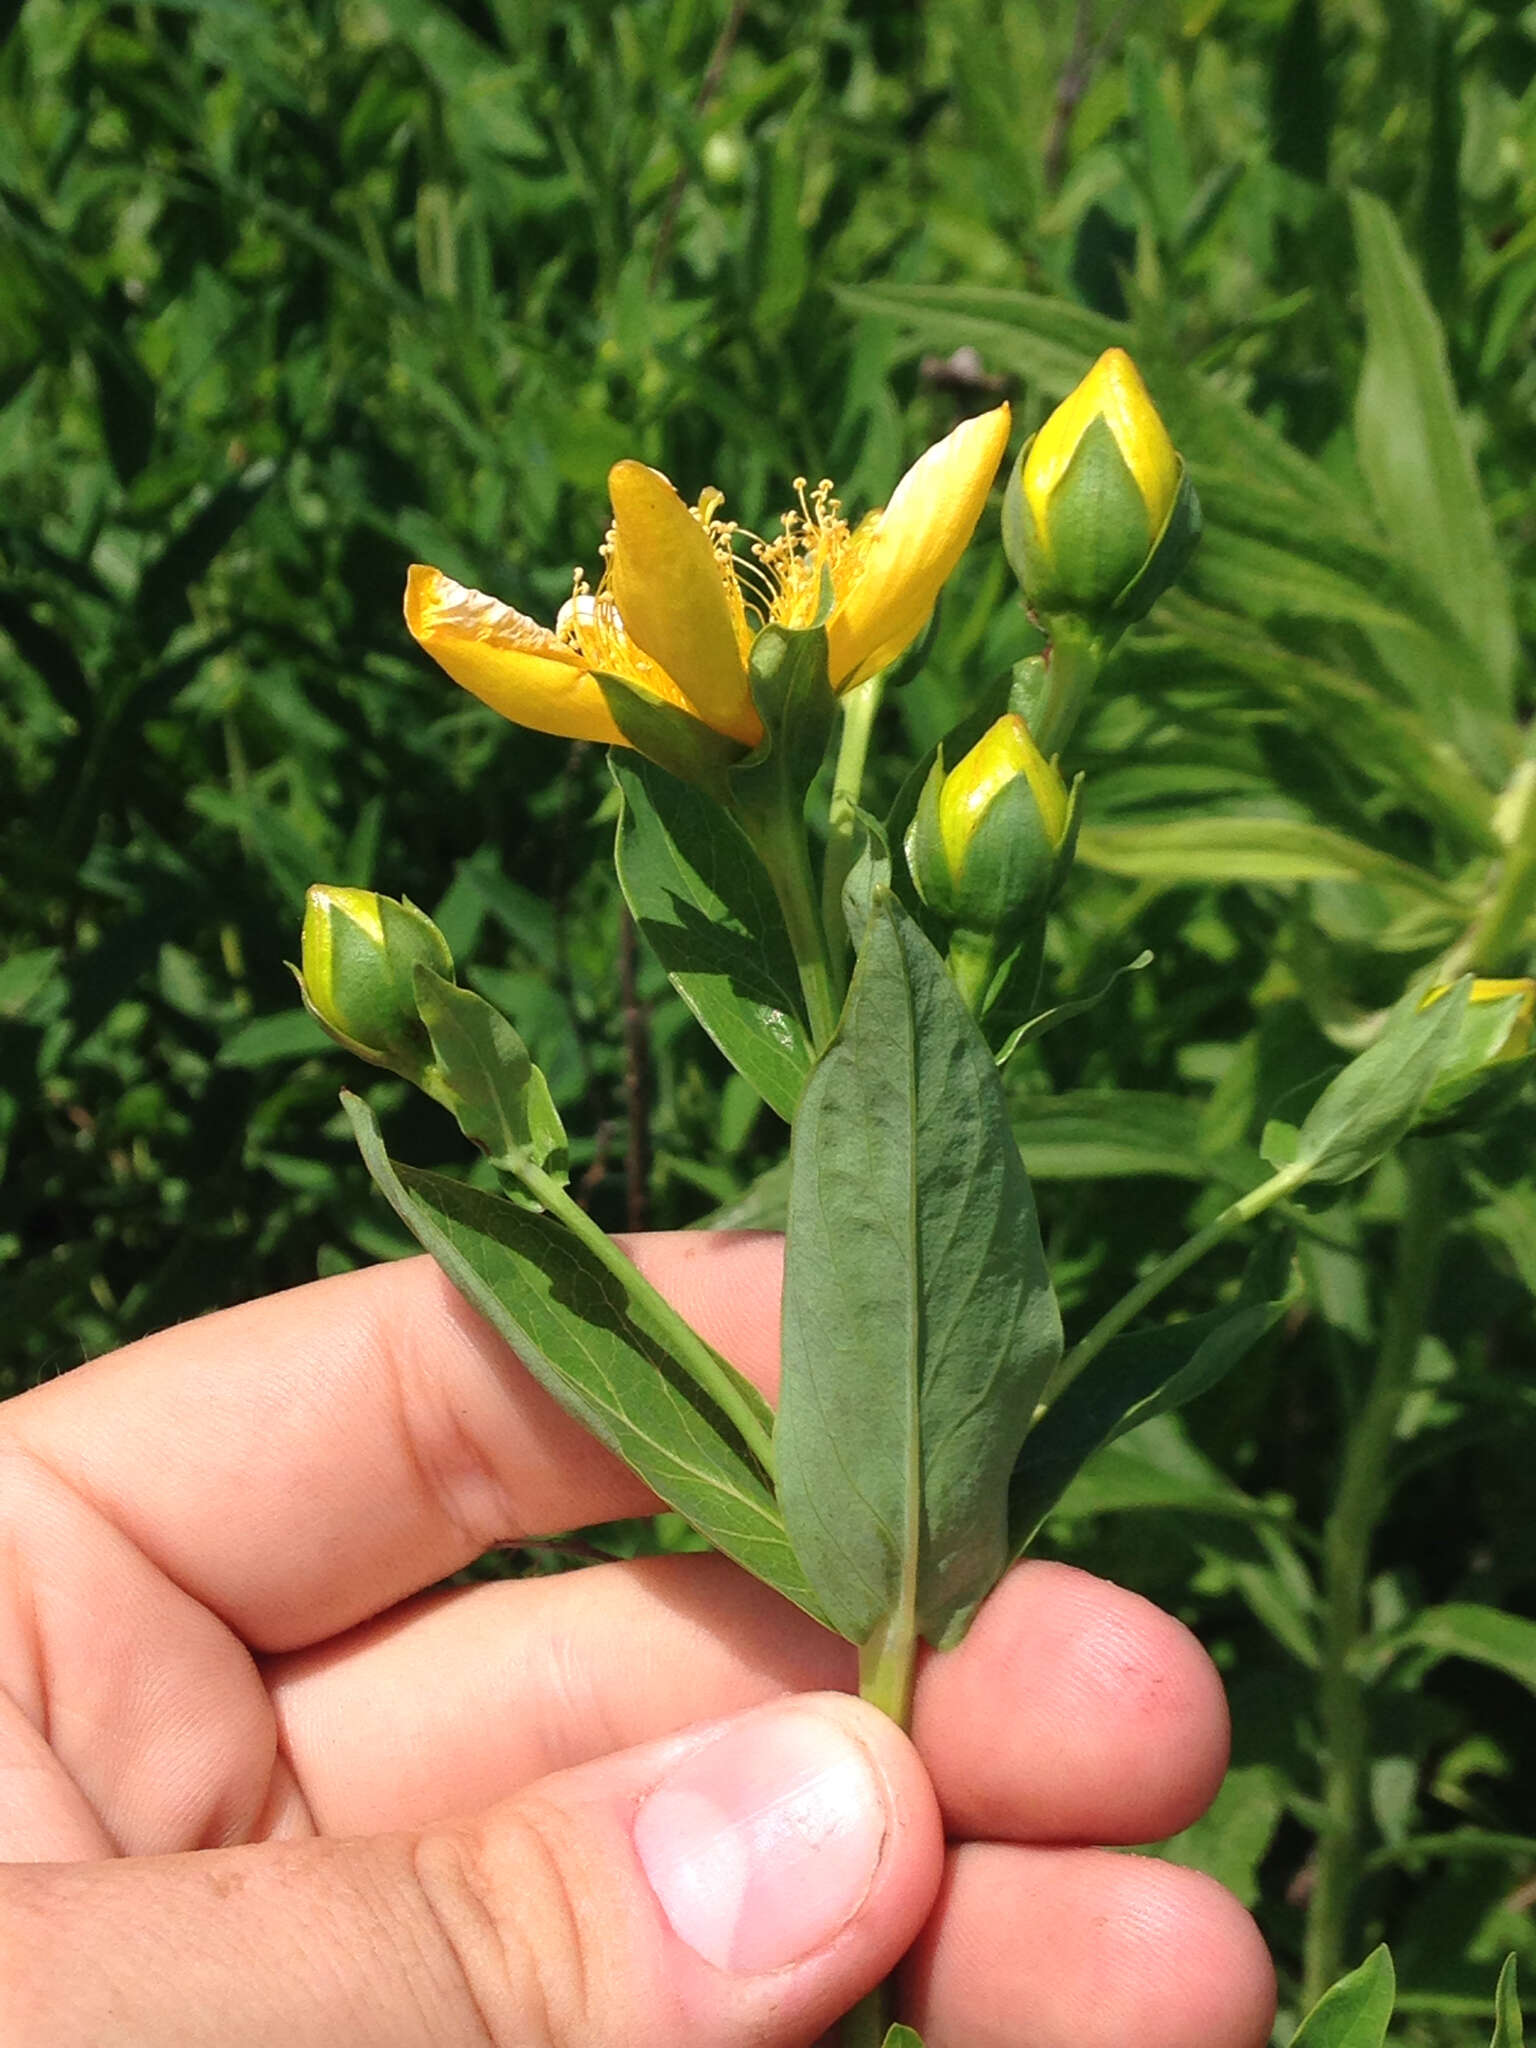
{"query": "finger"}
(1081, 1948)
(301, 1463)
(1073, 1710)
(740, 1884)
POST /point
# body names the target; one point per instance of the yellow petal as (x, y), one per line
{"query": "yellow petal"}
(916, 542)
(508, 661)
(670, 591)
(1111, 391)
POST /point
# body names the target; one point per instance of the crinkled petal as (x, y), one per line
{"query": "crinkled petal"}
(919, 538)
(670, 591)
(508, 661)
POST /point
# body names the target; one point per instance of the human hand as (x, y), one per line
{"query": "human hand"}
(258, 1786)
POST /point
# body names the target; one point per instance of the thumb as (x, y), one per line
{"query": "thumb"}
(744, 1882)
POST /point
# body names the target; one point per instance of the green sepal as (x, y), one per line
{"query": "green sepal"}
(1170, 553)
(1098, 536)
(683, 745)
(1479, 1079)
(487, 1077)
(787, 675)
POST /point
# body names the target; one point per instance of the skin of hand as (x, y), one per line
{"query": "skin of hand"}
(259, 1783)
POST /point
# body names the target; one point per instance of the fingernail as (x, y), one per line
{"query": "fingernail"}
(763, 1844)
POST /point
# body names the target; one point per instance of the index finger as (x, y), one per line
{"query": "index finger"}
(301, 1463)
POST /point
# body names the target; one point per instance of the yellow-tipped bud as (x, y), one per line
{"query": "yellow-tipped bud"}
(359, 952)
(1004, 752)
(1100, 515)
(985, 843)
(1113, 392)
(1498, 1030)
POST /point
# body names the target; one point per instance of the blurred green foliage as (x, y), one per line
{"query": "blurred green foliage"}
(295, 291)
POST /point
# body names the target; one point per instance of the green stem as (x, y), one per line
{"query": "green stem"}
(859, 708)
(1129, 1306)
(1359, 1497)
(707, 1371)
(1073, 664)
(781, 846)
(887, 1670)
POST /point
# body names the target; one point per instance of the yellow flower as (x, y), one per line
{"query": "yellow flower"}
(1113, 392)
(684, 594)
(1005, 751)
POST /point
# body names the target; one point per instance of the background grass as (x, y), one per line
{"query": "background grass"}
(295, 291)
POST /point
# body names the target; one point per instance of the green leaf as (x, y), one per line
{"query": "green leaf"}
(1232, 1838)
(1374, 1102)
(1355, 2012)
(1508, 2022)
(1414, 452)
(1062, 1013)
(1483, 1635)
(908, 2037)
(1113, 1133)
(288, 1035)
(702, 899)
(919, 1322)
(500, 1098)
(1141, 1374)
(602, 1353)
(1246, 849)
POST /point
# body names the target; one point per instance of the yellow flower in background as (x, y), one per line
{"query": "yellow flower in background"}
(1113, 392)
(684, 593)
(1517, 1040)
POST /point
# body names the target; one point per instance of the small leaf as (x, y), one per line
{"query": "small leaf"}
(919, 1322)
(1141, 1374)
(787, 673)
(908, 2037)
(501, 1098)
(1374, 1102)
(1245, 849)
(703, 901)
(1483, 1635)
(1355, 2012)
(1508, 2021)
(1062, 1013)
(599, 1351)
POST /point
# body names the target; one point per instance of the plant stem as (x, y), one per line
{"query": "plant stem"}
(781, 846)
(859, 707)
(1359, 1498)
(1125, 1311)
(887, 1669)
(1074, 661)
(707, 1371)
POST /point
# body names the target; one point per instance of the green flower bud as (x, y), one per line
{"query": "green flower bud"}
(1487, 1064)
(360, 952)
(1100, 515)
(984, 845)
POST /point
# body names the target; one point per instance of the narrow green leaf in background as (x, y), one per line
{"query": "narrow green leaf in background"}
(701, 897)
(919, 1321)
(1413, 449)
(1483, 1635)
(602, 1354)
(1356, 2012)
